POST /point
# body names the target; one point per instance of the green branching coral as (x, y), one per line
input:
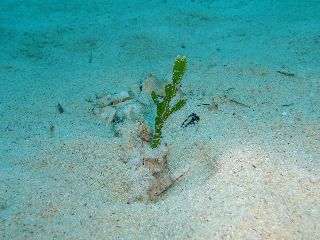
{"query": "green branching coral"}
(163, 103)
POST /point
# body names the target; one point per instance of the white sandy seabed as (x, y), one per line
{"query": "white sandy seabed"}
(250, 165)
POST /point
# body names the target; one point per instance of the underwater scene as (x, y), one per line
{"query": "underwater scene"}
(163, 119)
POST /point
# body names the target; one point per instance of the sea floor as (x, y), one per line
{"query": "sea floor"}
(248, 169)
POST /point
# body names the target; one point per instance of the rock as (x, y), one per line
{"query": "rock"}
(120, 97)
(134, 90)
(128, 131)
(144, 99)
(152, 84)
(109, 114)
(130, 111)
(148, 84)
(104, 99)
(155, 157)
(144, 132)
